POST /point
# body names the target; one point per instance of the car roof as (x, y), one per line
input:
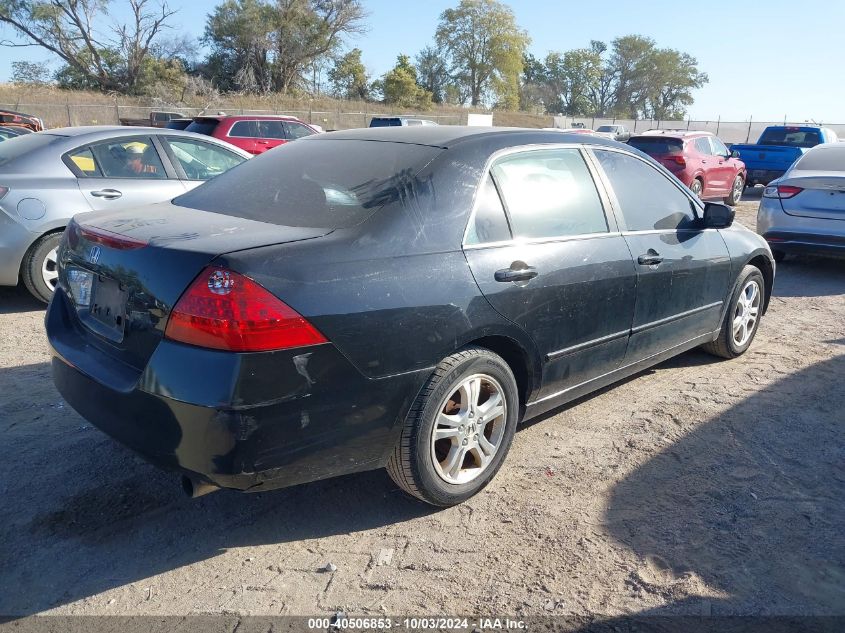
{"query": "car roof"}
(248, 117)
(446, 136)
(670, 133)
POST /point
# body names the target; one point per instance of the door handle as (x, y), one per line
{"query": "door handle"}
(263, 142)
(108, 194)
(651, 258)
(519, 271)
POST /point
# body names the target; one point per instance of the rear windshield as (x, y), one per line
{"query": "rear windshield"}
(25, 143)
(606, 128)
(203, 126)
(793, 137)
(386, 122)
(314, 183)
(823, 159)
(657, 145)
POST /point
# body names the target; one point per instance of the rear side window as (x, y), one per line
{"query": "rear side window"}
(203, 126)
(135, 158)
(550, 193)
(702, 145)
(83, 160)
(649, 200)
(489, 223)
(657, 145)
(316, 183)
(245, 129)
(385, 122)
(297, 130)
(271, 129)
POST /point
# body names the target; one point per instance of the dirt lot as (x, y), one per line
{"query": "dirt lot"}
(699, 487)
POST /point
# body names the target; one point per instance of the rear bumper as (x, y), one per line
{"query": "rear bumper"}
(244, 421)
(762, 176)
(792, 242)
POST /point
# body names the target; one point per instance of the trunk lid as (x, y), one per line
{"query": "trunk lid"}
(823, 196)
(768, 157)
(123, 271)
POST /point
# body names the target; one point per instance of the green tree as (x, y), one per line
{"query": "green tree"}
(29, 73)
(569, 78)
(349, 77)
(264, 45)
(672, 78)
(433, 73)
(69, 30)
(485, 48)
(400, 88)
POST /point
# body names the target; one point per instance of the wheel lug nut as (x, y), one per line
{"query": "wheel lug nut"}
(464, 443)
(475, 437)
(461, 429)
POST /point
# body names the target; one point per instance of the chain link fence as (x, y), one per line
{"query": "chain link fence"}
(62, 115)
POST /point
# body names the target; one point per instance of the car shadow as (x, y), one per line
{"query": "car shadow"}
(16, 299)
(752, 194)
(752, 503)
(85, 515)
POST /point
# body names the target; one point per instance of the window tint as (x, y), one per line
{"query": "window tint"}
(202, 161)
(135, 158)
(550, 193)
(792, 136)
(271, 129)
(828, 157)
(385, 122)
(84, 161)
(297, 130)
(316, 183)
(649, 200)
(702, 144)
(657, 145)
(245, 129)
(489, 223)
(203, 126)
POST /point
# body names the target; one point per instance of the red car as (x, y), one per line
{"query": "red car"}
(254, 134)
(699, 160)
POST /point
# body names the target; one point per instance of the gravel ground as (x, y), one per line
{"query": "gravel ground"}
(698, 487)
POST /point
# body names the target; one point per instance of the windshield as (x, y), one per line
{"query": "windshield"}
(657, 145)
(24, 144)
(314, 183)
(791, 136)
(606, 128)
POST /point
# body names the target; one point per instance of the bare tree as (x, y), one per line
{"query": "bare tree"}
(111, 59)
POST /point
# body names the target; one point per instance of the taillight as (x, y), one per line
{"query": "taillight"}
(222, 309)
(781, 191)
(677, 160)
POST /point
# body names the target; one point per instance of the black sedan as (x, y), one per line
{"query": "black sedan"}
(398, 297)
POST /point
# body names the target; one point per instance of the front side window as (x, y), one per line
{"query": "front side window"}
(135, 158)
(489, 223)
(297, 130)
(550, 193)
(202, 161)
(719, 148)
(649, 200)
(702, 145)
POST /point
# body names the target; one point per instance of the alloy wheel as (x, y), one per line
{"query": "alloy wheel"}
(49, 269)
(739, 186)
(469, 429)
(746, 313)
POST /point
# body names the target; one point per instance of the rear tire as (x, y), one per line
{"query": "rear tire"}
(459, 429)
(737, 188)
(39, 270)
(697, 186)
(742, 318)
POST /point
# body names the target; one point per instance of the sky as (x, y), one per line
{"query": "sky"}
(765, 59)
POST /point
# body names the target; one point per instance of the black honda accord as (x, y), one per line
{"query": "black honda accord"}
(390, 297)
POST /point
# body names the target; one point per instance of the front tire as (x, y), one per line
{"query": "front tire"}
(459, 429)
(742, 317)
(39, 270)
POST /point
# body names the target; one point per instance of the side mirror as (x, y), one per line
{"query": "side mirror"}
(717, 215)
(734, 153)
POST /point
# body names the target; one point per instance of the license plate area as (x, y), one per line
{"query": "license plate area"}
(107, 309)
